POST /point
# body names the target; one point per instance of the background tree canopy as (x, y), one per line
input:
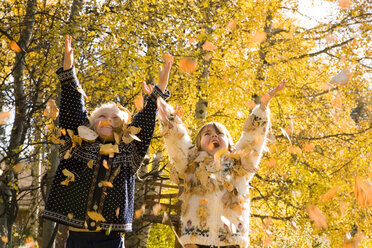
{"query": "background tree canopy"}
(313, 188)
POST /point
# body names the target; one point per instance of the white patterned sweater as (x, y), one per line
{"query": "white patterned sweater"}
(216, 203)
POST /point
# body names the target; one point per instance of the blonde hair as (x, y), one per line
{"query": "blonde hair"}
(108, 105)
(219, 129)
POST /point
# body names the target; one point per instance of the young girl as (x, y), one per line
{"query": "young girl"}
(93, 188)
(215, 210)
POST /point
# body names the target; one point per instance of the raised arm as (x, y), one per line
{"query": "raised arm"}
(146, 118)
(255, 129)
(72, 106)
(177, 140)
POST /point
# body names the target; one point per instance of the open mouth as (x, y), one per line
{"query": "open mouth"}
(215, 145)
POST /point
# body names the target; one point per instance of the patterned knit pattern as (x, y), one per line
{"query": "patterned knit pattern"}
(216, 203)
(69, 204)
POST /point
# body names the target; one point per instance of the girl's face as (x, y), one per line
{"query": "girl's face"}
(213, 140)
(108, 119)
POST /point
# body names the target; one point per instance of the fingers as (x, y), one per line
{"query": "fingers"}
(147, 88)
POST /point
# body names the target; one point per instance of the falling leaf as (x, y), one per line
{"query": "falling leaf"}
(294, 149)
(4, 117)
(139, 212)
(138, 102)
(228, 186)
(203, 201)
(67, 155)
(82, 92)
(342, 78)
(330, 38)
(268, 241)
(187, 65)
(90, 164)
(344, 4)
(70, 177)
(363, 191)
(329, 195)
(343, 207)
(232, 24)
(192, 41)
(251, 104)
(96, 216)
(156, 209)
(208, 46)
(106, 184)
(271, 162)
(104, 163)
(4, 239)
(337, 102)
(117, 212)
(257, 37)
(129, 134)
(70, 216)
(315, 214)
(14, 46)
(87, 134)
(126, 115)
(108, 149)
(18, 167)
(51, 110)
(308, 147)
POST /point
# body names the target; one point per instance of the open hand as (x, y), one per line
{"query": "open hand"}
(147, 88)
(68, 59)
(164, 72)
(265, 99)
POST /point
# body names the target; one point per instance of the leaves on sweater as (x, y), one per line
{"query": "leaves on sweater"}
(70, 177)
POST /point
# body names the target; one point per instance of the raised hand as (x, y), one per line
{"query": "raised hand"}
(164, 72)
(147, 88)
(68, 59)
(265, 99)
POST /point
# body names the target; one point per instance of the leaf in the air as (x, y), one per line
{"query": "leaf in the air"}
(14, 46)
(187, 65)
(4, 117)
(315, 214)
(96, 216)
(208, 46)
(51, 110)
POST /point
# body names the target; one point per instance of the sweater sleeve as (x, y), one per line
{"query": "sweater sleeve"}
(145, 119)
(252, 140)
(72, 106)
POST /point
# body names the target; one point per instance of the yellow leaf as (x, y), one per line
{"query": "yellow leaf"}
(203, 201)
(104, 163)
(342, 78)
(192, 41)
(117, 212)
(315, 214)
(208, 46)
(70, 216)
(106, 184)
(96, 216)
(108, 149)
(138, 102)
(90, 164)
(87, 134)
(82, 92)
(126, 115)
(51, 110)
(67, 154)
(187, 65)
(4, 117)
(14, 46)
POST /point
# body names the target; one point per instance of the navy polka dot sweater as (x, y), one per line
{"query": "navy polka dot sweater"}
(70, 204)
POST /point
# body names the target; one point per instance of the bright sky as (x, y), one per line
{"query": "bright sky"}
(315, 12)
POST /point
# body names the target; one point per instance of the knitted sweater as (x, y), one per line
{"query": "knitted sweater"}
(73, 203)
(216, 203)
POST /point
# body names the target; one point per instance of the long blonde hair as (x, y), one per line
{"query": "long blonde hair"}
(219, 129)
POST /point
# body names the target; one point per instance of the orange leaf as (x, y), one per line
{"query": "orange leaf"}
(294, 149)
(232, 24)
(187, 65)
(4, 117)
(208, 46)
(344, 4)
(106, 184)
(330, 38)
(329, 195)
(257, 37)
(4, 239)
(90, 164)
(271, 162)
(18, 167)
(336, 101)
(117, 212)
(51, 110)
(203, 201)
(70, 216)
(363, 191)
(138, 102)
(192, 41)
(320, 220)
(139, 212)
(14, 46)
(308, 147)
